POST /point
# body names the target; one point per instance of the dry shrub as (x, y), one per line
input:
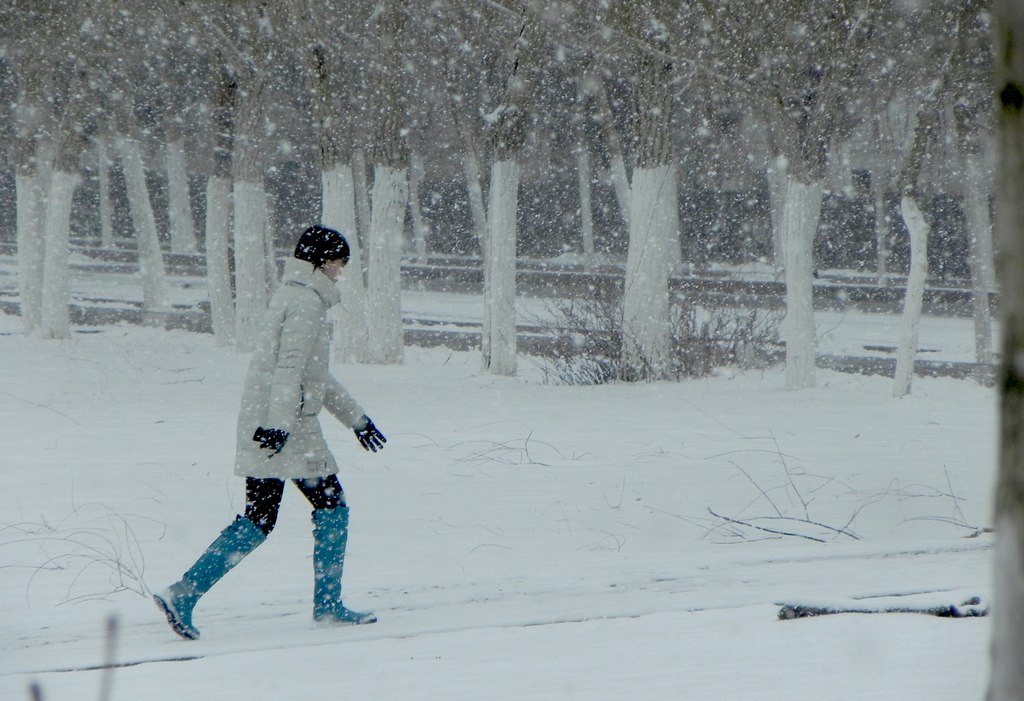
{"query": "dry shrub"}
(588, 349)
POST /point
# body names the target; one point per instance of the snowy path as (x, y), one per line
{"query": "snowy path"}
(518, 541)
(657, 624)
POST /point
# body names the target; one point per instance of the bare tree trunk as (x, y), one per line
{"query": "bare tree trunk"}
(328, 71)
(500, 316)
(646, 332)
(390, 195)
(31, 246)
(390, 192)
(979, 233)
(218, 209)
(70, 146)
(54, 321)
(31, 114)
(971, 112)
(617, 158)
(583, 178)
(250, 212)
(1007, 643)
(351, 331)
(913, 301)
(798, 224)
(155, 298)
(474, 188)
(462, 79)
(179, 205)
(777, 178)
(584, 173)
(420, 230)
(509, 123)
(646, 335)
(106, 208)
(918, 229)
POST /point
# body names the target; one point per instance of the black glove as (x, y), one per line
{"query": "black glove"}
(368, 435)
(272, 439)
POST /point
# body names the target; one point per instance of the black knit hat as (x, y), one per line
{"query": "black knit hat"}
(318, 244)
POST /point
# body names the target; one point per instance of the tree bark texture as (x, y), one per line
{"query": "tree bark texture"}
(179, 201)
(155, 296)
(103, 177)
(1007, 644)
(979, 233)
(508, 131)
(390, 197)
(646, 332)
(219, 205)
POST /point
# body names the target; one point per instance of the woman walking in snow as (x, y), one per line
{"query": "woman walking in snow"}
(279, 437)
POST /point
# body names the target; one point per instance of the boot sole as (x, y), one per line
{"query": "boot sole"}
(328, 622)
(172, 619)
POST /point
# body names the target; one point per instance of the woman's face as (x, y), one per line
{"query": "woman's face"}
(333, 268)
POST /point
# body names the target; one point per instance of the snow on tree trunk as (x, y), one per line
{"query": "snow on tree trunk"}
(1007, 642)
(105, 206)
(645, 315)
(324, 74)
(499, 328)
(390, 196)
(218, 258)
(69, 147)
(31, 247)
(914, 299)
(979, 233)
(798, 224)
(384, 264)
(508, 124)
(250, 224)
(151, 263)
(652, 213)
(338, 212)
(54, 322)
(179, 206)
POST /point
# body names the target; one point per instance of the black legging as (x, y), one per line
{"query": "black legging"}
(263, 497)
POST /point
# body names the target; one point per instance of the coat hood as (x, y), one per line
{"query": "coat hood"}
(302, 273)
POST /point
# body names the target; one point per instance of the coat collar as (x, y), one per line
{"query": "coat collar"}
(302, 273)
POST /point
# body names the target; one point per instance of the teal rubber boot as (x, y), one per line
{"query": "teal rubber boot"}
(330, 538)
(231, 546)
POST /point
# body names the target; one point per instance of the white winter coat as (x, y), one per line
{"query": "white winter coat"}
(289, 380)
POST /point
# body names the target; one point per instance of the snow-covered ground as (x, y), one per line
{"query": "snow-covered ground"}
(517, 540)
